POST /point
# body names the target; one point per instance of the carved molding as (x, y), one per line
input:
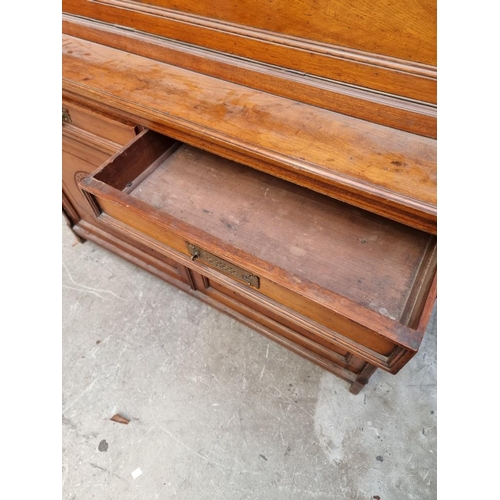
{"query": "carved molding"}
(350, 66)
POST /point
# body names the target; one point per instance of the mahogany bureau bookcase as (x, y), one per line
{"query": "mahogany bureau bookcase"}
(275, 159)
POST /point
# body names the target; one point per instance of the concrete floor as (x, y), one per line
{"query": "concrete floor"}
(218, 411)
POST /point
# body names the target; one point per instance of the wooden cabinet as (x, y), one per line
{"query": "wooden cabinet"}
(303, 207)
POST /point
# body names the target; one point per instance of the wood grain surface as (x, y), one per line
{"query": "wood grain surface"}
(332, 105)
(392, 111)
(389, 47)
(403, 29)
(375, 334)
(383, 170)
(356, 254)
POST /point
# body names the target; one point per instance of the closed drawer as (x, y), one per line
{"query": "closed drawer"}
(97, 124)
(368, 280)
(285, 322)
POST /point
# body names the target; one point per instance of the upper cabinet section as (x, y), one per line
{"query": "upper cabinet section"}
(385, 48)
(401, 29)
(335, 96)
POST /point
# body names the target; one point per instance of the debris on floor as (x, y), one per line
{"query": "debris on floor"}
(120, 419)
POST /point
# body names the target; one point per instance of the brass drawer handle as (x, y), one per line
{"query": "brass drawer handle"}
(223, 266)
(195, 255)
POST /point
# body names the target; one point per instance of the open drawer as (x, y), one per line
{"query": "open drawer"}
(369, 282)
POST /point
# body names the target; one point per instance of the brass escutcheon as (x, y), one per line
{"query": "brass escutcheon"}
(223, 266)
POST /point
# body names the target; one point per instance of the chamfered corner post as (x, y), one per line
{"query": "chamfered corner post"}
(362, 379)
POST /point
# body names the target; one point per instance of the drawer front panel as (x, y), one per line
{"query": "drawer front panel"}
(369, 341)
(100, 125)
(89, 154)
(223, 289)
(216, 289)
(256, 310)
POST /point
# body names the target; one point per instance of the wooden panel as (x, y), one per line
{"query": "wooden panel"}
(403, 29)
(69, 211)
(100, 125)
(254, 308)
(288, 304)
(82, 153)
(371, 67)
(389, 172)
(176, 274)
(414, 117)
(87, 142)
(219, 291)
(287, 325)
(89, 154)
(260, 323)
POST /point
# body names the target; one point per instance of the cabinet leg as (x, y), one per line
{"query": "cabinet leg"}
(362, 379)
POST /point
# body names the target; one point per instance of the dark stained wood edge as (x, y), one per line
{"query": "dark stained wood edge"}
(92, 201)
(421, 287)
(428, 308)
(399, 358)
(341, 306)
(386, 110)
(385, 74)
(411, 212)
(362, 379)
(144, 152)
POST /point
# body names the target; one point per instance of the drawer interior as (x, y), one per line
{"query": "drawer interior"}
(379, 264)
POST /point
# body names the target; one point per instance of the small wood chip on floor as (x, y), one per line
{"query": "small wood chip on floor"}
(120, 419)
